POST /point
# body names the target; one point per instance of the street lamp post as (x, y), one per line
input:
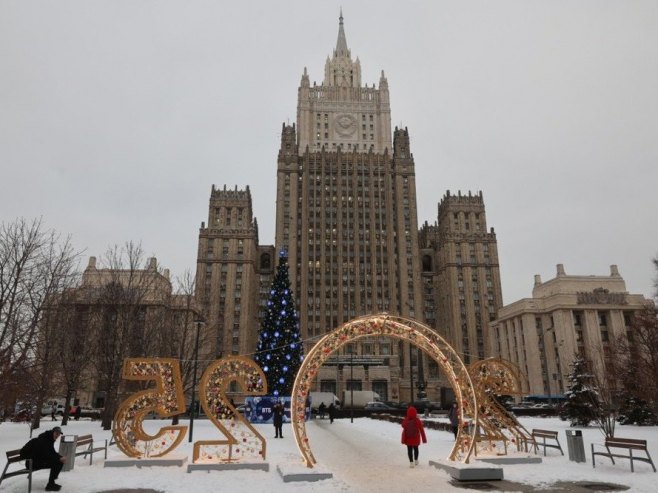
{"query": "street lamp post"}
(198, 324)
(352, 385)
(422, 384)
(411, 377)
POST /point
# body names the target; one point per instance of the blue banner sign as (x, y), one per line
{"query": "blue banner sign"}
(259, 409)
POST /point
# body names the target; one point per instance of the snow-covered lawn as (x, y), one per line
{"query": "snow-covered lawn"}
(364, 456)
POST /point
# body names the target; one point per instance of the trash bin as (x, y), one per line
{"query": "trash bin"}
(575, 445)
(67, 449)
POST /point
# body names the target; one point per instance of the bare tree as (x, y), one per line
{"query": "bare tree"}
(639, 352)
(35, 264)
(176, 331)
(73, 342)
(636, 358)
(127, 297)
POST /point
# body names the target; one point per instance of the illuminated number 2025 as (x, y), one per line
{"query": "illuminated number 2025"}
(167, 399)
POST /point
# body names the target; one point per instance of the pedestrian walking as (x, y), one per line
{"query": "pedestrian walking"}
(332, 412)
(53, 412)
(321, 410)
(412, 433)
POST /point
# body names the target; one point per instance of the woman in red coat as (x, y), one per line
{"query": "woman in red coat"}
(412, 432)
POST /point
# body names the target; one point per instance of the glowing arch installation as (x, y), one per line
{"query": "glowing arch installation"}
(399, 328)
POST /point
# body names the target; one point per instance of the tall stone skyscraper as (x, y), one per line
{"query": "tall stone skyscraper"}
(346, 212)
(227, 277)
(461, 275)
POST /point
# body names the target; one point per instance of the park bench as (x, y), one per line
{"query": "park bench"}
(629, 444)
(87, 444)
(14, 457)
(546, 435)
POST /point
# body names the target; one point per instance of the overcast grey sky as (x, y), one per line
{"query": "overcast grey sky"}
(116, 117)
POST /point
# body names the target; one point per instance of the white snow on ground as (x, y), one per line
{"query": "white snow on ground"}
(364, 456)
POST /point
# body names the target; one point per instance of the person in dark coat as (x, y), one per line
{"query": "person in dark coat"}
(321, 410)
(332, 412)
(412, 433)
(277, 419)
(44, 456)
(453, 416)
(77, 413)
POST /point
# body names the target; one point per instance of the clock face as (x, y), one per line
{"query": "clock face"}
(345, 125)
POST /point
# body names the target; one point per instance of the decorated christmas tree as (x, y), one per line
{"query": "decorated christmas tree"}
(280, 350)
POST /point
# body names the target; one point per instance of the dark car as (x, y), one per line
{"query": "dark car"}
(379, 406)
(396, 405)
(423, 405)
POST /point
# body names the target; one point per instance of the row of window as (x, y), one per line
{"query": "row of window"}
(325, 117)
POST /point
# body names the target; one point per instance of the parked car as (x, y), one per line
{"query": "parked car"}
(85, 412)
(23, 412)
(47, 408)
(396, 405)
(426, 404)
(378, 406)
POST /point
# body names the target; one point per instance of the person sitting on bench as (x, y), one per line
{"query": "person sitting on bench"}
(41, 451)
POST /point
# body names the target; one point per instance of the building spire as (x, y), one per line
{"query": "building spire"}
(341, 44)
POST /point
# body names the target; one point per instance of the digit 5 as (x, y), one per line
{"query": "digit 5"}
(166, 399)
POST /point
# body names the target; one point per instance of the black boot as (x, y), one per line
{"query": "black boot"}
(53, 487)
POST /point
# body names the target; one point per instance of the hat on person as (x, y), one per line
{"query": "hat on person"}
(57, 429)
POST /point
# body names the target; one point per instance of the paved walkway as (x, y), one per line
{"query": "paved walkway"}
(559, 487)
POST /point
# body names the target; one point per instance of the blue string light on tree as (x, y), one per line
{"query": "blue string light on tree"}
(280, 348)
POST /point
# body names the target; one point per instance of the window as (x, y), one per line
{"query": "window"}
(352, 385)
(328, 386)
(603, 319)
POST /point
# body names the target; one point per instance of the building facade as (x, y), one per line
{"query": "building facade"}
(228, 273)
(346, 213)
(567, 315)
(461, 274)
(117, 313)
